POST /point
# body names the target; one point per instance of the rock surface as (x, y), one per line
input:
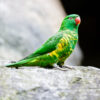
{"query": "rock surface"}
(26, 24)
(28, 83)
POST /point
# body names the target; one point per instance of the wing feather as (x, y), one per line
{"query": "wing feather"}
(47, 47)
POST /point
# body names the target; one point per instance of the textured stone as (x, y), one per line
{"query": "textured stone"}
(26, 24)
(28, 83)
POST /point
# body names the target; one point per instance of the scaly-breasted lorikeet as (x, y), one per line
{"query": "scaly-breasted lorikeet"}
(57, 48)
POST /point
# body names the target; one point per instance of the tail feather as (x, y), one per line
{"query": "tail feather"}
(19, 63)
(13, 65)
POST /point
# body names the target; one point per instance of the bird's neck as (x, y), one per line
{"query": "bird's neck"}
(69, 27)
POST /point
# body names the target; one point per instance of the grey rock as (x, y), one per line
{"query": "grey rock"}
(33, 83)
(26, 24)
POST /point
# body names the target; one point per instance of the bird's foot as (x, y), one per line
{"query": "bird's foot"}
(60, 68)
(64, 68)
(68, 67)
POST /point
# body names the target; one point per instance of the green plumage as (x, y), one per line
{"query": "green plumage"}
(56, 49)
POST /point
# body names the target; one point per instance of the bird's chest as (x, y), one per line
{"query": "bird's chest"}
(66, 46)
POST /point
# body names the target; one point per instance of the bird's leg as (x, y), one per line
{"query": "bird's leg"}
(61, 65)
(60, 68)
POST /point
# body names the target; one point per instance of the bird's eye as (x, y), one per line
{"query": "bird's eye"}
(70, 18)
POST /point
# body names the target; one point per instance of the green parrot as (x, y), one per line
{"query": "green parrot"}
(57, 48)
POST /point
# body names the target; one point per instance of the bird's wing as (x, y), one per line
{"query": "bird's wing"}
(47, 47)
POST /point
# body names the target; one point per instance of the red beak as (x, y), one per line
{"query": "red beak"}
(77, 20)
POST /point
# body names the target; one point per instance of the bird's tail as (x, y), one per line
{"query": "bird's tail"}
(18, 64)
(13, 65)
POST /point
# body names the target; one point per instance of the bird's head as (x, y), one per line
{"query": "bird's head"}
(71, 22)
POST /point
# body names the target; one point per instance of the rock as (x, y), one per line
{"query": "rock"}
(33, 83)
(26, 24)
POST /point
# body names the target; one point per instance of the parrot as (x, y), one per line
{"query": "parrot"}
(57, 48)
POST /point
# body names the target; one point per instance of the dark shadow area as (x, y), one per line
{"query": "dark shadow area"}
(88, 35)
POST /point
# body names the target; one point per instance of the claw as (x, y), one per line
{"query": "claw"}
(67, 67)
(62, 69)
